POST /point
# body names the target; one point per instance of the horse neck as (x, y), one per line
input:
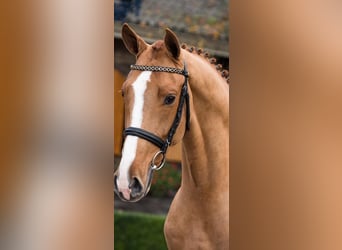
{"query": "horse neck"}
(206, 145)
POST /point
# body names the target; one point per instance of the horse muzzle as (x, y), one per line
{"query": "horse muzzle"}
(135, 191)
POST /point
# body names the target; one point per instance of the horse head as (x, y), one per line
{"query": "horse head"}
(156, 101)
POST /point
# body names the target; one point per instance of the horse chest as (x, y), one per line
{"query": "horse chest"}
(190, 226)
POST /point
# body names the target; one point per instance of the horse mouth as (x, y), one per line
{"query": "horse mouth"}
(134, 193)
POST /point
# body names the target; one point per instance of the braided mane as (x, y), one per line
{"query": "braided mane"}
(212, 60)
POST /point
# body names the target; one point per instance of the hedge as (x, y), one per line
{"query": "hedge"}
(138, 231)
(166, 182)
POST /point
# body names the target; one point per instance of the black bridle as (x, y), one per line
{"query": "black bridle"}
(184, 98)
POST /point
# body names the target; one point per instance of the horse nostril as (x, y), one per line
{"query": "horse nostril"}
(116, 183)
(136, 187)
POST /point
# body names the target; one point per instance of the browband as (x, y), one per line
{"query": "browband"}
(160, 69)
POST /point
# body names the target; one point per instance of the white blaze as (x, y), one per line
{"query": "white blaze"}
(130, 145)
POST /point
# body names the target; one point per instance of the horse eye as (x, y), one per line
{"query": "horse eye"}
(169, 99)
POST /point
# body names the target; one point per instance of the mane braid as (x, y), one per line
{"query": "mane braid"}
(212, 60)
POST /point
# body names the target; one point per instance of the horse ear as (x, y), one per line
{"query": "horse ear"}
(172, 43)
(134, 43)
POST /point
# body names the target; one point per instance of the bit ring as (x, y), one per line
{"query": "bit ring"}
(153, 165)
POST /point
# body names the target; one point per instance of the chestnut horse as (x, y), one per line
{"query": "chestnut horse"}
(174, 94)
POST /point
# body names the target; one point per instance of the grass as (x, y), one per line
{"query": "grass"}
(138, 231)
